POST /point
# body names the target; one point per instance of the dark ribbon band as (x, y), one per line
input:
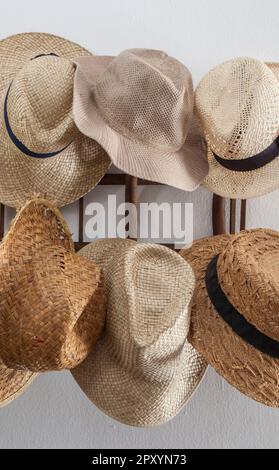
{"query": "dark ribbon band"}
(251, 163)
(14, 138)
(233, 318)
(45, 55)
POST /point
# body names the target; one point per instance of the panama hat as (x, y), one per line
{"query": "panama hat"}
(139, 108)
(142, 370)
(42, 151)
(51, 300)
(238, 106)
(234, 319)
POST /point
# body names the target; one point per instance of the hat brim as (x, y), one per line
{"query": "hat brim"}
(246, 368)
(184, 169)
(13, 383)
(65, 177)
(241, 184)
(122, 394)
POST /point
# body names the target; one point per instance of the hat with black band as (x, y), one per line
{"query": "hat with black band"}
(43, 154)
(234, 317)
(251, 163)
(238, 105)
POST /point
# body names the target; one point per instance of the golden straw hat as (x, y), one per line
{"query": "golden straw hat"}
(52, 301)
(142, 370)
(234, 320)
(238, 106)
(139, 108)
(42, 151)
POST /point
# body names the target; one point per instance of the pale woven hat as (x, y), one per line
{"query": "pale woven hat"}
(139, 108)
(42, 151)
(238, 105)
(234, 320)
(142, 370)
(52, 301)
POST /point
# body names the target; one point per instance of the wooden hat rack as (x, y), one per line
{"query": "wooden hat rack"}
(131, 183)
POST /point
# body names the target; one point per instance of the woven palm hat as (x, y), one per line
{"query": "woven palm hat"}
(234, 319)
(52, 304)
(139, 108)
(142, 370)
(238, 106)
(42, 151)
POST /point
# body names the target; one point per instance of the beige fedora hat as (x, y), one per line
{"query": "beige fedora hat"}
(238, 106)
(234, 320)
(42, 151)
(52, 301)
(142, 370)
(140, 110)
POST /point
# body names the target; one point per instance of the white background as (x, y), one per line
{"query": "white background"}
(54, 413)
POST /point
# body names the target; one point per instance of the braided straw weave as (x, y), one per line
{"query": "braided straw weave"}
(274, 67)
(52, 301)
(40, 115)
(142, 371)
(248, 275)
(238, 105)
(140, 110)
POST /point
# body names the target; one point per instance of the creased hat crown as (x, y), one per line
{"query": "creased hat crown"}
(148, 96)
(52, 302)
(39, 103)
(238, 105)
(148, 289)
(142, 370)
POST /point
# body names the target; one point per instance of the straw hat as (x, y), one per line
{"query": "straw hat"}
(234, 320)
(140, 110)
(238, 105)
(42, 151)
(52, 301)
(142, 371)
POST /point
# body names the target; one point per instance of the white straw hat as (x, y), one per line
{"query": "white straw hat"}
(238, 105)
(140, 110)
(143, 370)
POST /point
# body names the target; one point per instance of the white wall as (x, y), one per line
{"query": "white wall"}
(53, 413)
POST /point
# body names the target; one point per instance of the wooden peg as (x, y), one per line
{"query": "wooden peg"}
(131, 192)
(2, 220)
(218, 215)
(243, 214)
(232, 216)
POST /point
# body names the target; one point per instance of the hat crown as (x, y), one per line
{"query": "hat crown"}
(148, 96)
(149, 291)
(238, 105)
(39, 104)
(248, 273)
(58, 309)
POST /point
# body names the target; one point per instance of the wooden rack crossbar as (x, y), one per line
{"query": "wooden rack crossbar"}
(115, 179)
(131, 183)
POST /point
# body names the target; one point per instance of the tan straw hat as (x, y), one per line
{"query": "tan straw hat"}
(234, 320)
(52, 301)
(238, 105)
(143, 370)
(42, 151)
(140, 110)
